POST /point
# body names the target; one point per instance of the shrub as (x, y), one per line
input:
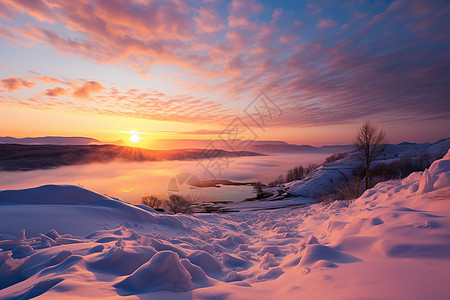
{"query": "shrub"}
(179, 204)
(297, 173)
(151, 201)
(335, 157)
(258, 188)
(310, 168)
(279, 180)
(400, 168)
(351, 189)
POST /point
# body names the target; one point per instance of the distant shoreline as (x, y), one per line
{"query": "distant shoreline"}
(20, 157)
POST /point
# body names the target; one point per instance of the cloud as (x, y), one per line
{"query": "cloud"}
(146, 104)
(55, 92)
(14, 83)
(208, 21)
(391, 61)
(83, 91)
(87, 89)
(202, 132)
(7, 34)
(328, 23)
(51, 80)
(242, 11)
(37, 9)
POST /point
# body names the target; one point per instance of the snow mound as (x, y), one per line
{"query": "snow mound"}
(314, 253)
(38, 289)
(164, 272)
(51, 194)
(60, 203)
(209, 264)
(271, 249)
(120, 260)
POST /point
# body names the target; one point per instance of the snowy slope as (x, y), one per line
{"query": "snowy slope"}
(322, 180)
(391, 243)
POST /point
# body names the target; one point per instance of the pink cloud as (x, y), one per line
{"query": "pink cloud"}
(328, 23)
(37, 9)
(314, 7)
(14, 83)
(242, 10)
(208, 20)
(7, 34)
(276, 15)
(359, 15)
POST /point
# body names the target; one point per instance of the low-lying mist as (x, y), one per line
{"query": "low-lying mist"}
(129, 181)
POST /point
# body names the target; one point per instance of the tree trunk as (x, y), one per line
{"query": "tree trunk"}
(366, 179)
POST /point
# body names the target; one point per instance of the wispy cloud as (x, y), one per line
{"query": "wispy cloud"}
(328, 23)
(197, 132)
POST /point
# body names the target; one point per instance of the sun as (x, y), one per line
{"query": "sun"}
(135, 138)
(134, 135)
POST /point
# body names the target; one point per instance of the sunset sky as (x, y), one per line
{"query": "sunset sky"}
(186, 69)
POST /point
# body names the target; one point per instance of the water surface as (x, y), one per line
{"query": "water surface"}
(129, 181)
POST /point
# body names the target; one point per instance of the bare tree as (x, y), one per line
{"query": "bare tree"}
(151, 201)
(370, 142)
(179, 204)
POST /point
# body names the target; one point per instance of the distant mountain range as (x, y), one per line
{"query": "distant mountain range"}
(32, 157)
(51, 140)
(266, 147)
(292, 148)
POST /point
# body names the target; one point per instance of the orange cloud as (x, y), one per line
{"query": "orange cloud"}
(55, 92)
(15, 83)
(148, 104)
(86, 89)
(83, 91)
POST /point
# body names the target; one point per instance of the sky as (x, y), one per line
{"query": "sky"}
(305, 72)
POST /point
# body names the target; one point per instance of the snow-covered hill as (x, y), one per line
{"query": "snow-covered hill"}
(325, 178)
(65, 242)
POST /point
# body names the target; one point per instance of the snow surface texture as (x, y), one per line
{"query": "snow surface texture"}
(65, 242)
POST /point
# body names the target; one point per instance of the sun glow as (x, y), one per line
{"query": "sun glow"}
(135, 138)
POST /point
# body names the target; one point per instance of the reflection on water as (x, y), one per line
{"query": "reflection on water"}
(129, 181)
